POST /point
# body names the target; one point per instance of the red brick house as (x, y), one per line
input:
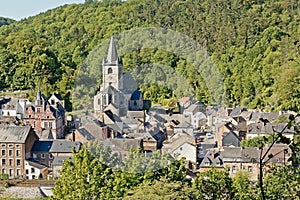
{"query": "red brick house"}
(15, 146)
(42, 115)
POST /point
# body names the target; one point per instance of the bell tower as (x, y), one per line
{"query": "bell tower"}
(112, 68)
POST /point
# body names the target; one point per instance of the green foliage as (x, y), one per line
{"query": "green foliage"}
(103, 154)
(254, 45)
(243, 187)
(214, 184)
(258, 141)
(160, 189)
(283, 183)
(4, 176)
(6, 21)
(83, 177)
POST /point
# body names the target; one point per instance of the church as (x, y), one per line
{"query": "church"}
(119, 92)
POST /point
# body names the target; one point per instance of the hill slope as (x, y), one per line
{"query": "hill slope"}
(255, 45)
(5, 21)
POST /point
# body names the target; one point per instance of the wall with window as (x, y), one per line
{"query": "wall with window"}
(12, 159)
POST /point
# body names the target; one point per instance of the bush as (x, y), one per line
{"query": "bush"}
(3, 176)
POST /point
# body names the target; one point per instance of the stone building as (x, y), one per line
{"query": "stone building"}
(118, 92)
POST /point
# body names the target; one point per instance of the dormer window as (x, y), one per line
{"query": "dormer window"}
(109, 71)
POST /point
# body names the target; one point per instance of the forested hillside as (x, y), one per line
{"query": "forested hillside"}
(255, 45)
(5, 21)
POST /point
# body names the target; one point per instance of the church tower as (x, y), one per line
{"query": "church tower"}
(112, 69)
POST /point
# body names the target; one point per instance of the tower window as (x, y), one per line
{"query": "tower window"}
(109, 71)
(109, 98)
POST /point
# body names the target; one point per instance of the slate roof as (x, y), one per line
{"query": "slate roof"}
(112, 55)
(41, 146)
(110, 90)
(268, 128)
(35, 164)
(46, 134)
(58, 96)
(136, 114)
(246, 115)
(123, 144)
(10, 104)
(237, 111)
(136, 95)
(58, 161)
(64, 146)
(14, 134)
(213, 158)
(240, 154)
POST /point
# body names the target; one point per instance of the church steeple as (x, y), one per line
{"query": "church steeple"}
(112, 55)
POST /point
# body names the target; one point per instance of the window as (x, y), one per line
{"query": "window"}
(33, 176)
(3, 161)
(109, 71)
(3, 171)
(3, 145)
(18, 172)
(217, 163)
(11, 162)
(10, 152)
(233, 169)
(99, 101)
(109, 98)
(3, 152)
(10, 146)
(42, 156)
(32, 170)
(250, 170)
(50, 156)
(206, 164)
(52, 102)
(18, 152)
(38, 110)
(18, 162)
(27, 172)
(17, 146)
(11, 172)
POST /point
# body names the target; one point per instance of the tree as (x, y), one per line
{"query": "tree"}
(242, 186)
(83, 177)
(104, 154)
(282, 183)
(214, 184)
(161, 190)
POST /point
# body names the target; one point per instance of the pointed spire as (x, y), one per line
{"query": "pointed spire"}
(112, 56)
(38, 98)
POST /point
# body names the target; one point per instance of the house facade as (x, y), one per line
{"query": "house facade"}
(42, 115)
(15, 144)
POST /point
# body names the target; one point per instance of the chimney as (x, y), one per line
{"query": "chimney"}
(73, 136)
(213, 153)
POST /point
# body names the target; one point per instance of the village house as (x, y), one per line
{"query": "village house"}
(43, 115)
(15, 143)
(182, 145)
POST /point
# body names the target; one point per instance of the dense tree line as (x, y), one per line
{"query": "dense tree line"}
(92, 175)
(254, 44)
(5, 21)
